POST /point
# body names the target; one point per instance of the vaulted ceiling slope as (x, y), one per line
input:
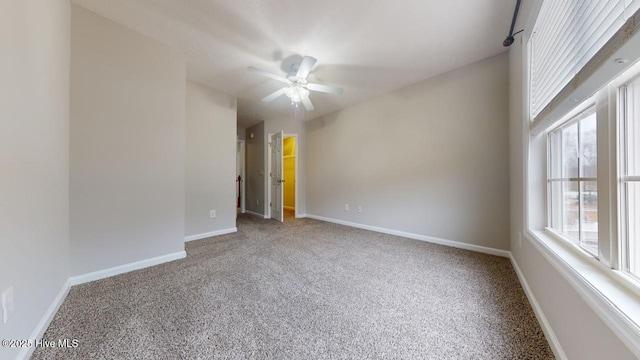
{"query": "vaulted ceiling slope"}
(367, 47)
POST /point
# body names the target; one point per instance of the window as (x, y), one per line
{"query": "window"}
(573, 187)
(583, 203)
(572, 182)
(630, 176)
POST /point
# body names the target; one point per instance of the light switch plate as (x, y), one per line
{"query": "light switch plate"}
(212, 214)
(346, 207)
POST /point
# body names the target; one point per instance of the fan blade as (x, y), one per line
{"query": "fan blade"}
(307, 104)
(325, 89)
(269, 75)
(305, 67)
(274, 95)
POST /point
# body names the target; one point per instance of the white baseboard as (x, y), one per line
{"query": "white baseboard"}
(121, 269)
(456, 244)
(537, 310)
(210, 234)
(258, 215)
(43, 325)
(301, 216)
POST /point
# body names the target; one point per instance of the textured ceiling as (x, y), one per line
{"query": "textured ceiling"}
(367, 47)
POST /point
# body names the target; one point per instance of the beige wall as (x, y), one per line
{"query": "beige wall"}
(255, 168)
(127, 145)
(430, 159)
(211, 160)
(34, 159)
(581, 333)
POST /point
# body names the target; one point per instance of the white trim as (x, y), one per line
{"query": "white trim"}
(301, 216)
(121, 269)
(451, 243)
(257, 214)
(266, 208)
(210, 234)
(42, 326)
(576, 273)
(267, 179)
(556, 347)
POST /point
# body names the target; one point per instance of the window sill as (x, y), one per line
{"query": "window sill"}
(609, 293)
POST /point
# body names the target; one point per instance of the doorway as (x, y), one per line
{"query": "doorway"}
(240, 177)
(289, 175)
(282, 182)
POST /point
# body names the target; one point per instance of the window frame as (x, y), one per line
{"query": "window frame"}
(609, 103)
(629, 77)
(584, 110)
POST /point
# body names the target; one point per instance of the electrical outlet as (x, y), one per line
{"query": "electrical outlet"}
(212, 214)
(7, 304)
(359, 208)
(346, 207)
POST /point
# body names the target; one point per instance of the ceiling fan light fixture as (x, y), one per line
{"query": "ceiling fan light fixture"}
(297, 88)
(296, 93)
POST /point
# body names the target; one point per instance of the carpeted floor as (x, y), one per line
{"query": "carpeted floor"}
(304, 289)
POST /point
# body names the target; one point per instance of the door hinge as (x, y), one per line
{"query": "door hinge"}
(270, 204)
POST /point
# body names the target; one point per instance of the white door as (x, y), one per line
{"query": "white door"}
(276, 177)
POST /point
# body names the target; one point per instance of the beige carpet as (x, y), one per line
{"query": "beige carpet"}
(304, 289)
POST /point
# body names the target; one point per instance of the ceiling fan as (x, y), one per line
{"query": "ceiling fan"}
(297, 88)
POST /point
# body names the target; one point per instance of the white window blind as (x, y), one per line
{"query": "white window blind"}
(567, 34)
